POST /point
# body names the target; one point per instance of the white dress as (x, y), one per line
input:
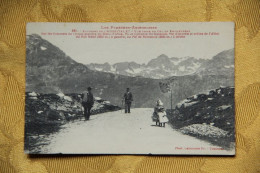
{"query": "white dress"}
(162, 117)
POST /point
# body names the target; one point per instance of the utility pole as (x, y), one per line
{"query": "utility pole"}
(171, 99)
(171, 89)
(167, 87)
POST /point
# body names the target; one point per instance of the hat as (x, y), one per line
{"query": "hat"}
(159, 102)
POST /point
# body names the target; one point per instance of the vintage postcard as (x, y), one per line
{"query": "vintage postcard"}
(130, 88)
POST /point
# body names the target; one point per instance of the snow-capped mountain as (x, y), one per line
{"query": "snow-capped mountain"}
(165, 67)
(158, 68)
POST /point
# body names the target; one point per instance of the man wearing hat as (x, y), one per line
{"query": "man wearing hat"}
(87, 102)
(128, 97)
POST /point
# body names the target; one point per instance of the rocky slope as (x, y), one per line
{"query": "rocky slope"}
(60, 107)
(209, 116)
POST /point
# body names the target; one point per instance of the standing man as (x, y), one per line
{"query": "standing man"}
(87, 102)
(128, 100)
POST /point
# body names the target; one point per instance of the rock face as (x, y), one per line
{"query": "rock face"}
(207, 115)
(50, 71)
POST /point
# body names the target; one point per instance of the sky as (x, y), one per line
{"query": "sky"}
(141, 50)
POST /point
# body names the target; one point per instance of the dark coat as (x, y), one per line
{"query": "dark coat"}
(87, 99)
(128, 97)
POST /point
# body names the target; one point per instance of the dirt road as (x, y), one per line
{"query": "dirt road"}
(117, 132)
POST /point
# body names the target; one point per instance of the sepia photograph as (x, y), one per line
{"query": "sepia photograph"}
(162, 88)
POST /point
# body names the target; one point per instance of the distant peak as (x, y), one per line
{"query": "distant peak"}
(162, 56)
(228, 54)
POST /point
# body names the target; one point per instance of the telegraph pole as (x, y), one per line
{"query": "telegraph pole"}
(167, 87)
(171, 99)
(171, 88)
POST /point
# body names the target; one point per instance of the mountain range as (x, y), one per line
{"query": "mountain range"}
(50, 70)
(158, 68)
(164, 67)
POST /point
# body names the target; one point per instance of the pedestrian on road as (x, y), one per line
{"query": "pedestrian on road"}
(87, 102)
(128, 97)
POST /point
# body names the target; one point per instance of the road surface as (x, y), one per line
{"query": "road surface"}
(120, 133)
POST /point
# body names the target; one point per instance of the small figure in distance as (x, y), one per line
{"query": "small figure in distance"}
(128, 98)
(87, 102)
